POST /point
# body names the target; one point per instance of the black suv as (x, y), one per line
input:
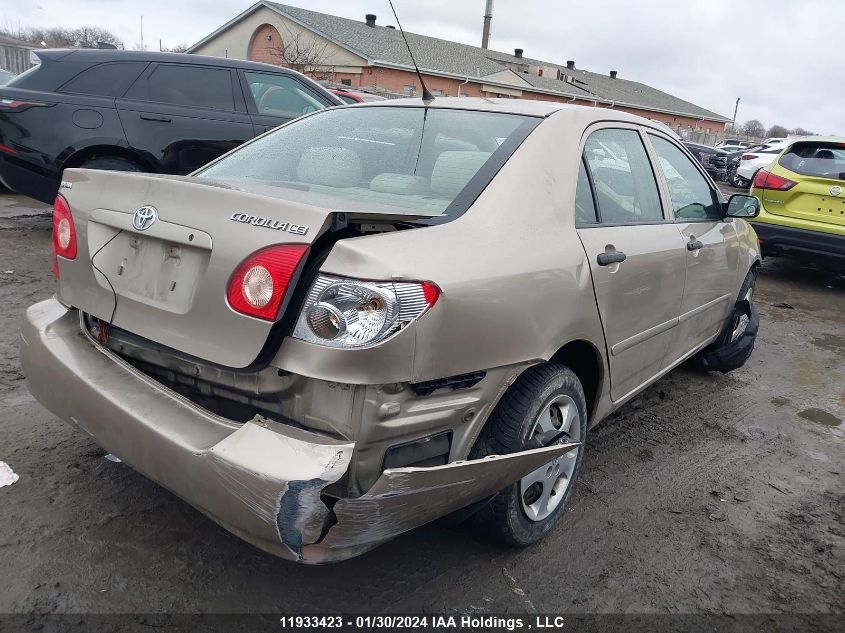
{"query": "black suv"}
(137, 111)
(714, 160)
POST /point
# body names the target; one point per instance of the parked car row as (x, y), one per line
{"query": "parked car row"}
(138, 111)
(714, 159)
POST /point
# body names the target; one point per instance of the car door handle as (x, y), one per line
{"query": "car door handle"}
(694, 245)
(606, 259)
(151, 117)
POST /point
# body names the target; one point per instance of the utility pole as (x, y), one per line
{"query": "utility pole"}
(733, 124)
(142, 32)
(488, 18)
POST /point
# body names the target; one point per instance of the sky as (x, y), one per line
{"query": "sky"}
(782, 58)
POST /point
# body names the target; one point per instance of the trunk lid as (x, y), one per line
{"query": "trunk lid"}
(170, 279)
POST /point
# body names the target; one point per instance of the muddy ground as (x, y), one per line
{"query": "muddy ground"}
(706, 494)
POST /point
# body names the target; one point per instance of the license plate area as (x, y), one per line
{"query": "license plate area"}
(151, 270)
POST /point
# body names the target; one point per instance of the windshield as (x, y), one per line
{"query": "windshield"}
(819, 159)
(400, 160)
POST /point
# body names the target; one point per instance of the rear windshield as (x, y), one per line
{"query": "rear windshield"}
(813, 158)
(399, 160)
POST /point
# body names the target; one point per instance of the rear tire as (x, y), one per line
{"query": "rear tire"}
(111, 163)
(545, 396)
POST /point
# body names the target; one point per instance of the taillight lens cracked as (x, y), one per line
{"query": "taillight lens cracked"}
(260, 283)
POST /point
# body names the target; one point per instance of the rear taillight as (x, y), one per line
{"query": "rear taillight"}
(15, 104)
(64, 233)
(355, 313)
(748, 156)
(767, 180)
(259, 285)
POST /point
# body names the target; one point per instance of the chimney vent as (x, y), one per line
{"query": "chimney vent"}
(570, 65)
(517, 52)
(613, 74)
(371, 19)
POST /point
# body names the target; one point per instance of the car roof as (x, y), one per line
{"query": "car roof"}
(92, 55)
(527, 107)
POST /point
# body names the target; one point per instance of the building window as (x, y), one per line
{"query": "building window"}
(436, 93)
(346, 82)
(409, 90)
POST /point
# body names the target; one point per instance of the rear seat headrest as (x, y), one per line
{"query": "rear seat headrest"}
(453, 171)
(332, 166)
(402, 184)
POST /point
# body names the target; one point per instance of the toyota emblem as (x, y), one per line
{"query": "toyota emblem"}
(144, 218)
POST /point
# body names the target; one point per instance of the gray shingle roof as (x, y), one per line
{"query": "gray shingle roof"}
(382, 44)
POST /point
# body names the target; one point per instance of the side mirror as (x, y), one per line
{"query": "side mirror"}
(741, 206)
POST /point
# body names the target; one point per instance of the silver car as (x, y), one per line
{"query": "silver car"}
(381, 314)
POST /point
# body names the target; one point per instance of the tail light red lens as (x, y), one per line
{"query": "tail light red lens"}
(260, 283)
(748, 156)
(767, 180)
(64, 233)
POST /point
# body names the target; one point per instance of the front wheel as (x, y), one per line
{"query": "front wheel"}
(736, 341)
(546, 405)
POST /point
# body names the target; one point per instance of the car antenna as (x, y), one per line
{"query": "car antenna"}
(426, 95)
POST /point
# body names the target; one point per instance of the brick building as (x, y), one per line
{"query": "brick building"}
(365, 55)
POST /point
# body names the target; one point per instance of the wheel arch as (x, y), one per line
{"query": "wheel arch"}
(100, 151)
(583, 358)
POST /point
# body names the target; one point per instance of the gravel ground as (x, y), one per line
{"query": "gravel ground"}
(706, 494)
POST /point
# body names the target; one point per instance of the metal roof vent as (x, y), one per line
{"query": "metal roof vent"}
(570, 65)
(613, 74)
(371, 19)
(517, 52)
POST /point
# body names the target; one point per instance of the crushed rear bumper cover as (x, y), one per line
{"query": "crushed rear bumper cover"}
(261, 480)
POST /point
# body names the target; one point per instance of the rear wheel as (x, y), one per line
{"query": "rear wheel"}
(546, 405)
(111, 163)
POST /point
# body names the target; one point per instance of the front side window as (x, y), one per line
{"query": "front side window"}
(184, 85)
(624, 182)
(281, 96)
(406, 160)
(815, 158)
(692, 197)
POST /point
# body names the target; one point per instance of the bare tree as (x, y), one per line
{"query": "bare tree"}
(178, 48)
(753, 128)
(303, 53)
(800, 131)
(58, 37)
(777, 131)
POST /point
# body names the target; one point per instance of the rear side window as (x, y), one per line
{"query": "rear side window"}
(814, 158)
(184, 85)
(624, 182)
(692, 197)
(585, 207)
(105, 80)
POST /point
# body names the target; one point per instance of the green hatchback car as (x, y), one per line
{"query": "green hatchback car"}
(802, 199)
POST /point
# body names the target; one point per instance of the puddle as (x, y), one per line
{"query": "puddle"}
(780, 401)
(830, 342)
(820, 416)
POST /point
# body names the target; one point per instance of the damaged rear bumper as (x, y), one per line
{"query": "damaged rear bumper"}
(261, 480)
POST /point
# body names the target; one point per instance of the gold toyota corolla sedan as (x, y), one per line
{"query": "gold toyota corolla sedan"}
(381, 314)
